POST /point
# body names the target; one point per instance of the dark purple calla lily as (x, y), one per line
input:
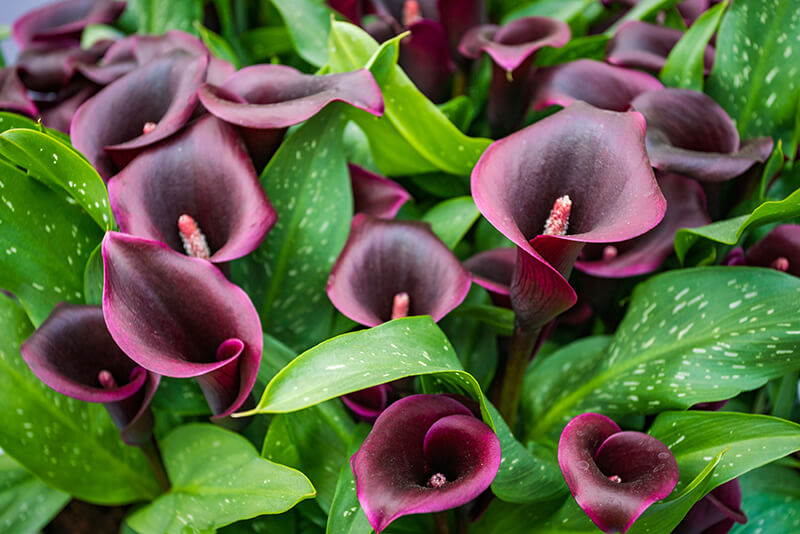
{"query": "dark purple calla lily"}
(375, 195)
(583, 171)
(614, 475)
(62, 23)
(58, 110)
(512, 49)
(602, 85)
(493, 270)
(141, 108)
(686, 208)
(690, 134)
(13, 95)
(392, 269)
(368, 404)
(73, 353)
(425, 57)
(426, 453)
(45, 69)
(716, 513)
(181, 176)
(646, 46)
(178, 316)
(689, 10)
(779, 249)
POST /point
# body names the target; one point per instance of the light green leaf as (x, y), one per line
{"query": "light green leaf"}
(564, 10)
(501, 319)
(217, 45)
(99, 32)
(157, 16)
(346, 515)
(26, 504)
(93, 278)
(452, 219)
(460, 111)
(308, 22)
(217, 478)
(771, 499)
(642, 10)
(262, 44)
(591, 46)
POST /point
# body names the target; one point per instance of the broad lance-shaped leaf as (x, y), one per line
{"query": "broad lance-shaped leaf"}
(451, 219)
(28, 503)
(217, 478)
(308, 23)
(346, 515)
(689, 336)
(772, 497)
(69, 444)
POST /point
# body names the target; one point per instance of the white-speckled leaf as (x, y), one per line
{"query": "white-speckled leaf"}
(217, 478)
(772, 497)
(689, 336)
(346, 515)
(26, 503)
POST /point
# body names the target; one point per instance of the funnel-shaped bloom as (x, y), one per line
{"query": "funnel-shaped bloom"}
(388, 265)
(596, 159)
(73, 353)
(690, 134)
(179, 316)
(686, 208)
(62, 23)
(368, 404)
(46, 69)
(716, 513)
(512, 49)
(374, 194)
(57, 112)
(602, 85)
(646, 46)
(779, 249)
(426, 453)
(614, 475)
(13, 95)
(203, 172)
(493, 270)
(141, 108)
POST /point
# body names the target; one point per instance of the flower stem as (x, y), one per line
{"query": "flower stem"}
(522, 344)
(153, 455)
(441, 523)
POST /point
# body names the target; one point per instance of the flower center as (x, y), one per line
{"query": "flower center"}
(194, 242)
(437, 481)
(558, 221)
(149, 127)
(610, 252)
(615, 478)
(106, 379)
(411, 13)
(400, 305)
(780, 264)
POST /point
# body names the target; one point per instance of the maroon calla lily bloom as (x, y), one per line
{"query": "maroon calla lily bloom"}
(716, 513)
(180, 177)
(62, 23)
(614, 475)
(178, 316)
(73, 353)
(583, 170)
(13, 95)
(368, 404)
(391, 269)
(690, 134)
(57, 112)
(493, 270)
(602, 85)
(646, 46)
(45, 69)
(426, 453)
(686, 208)
(512, 49)
(141, 108)
(779, 249)
(425, 57)
(374, 194)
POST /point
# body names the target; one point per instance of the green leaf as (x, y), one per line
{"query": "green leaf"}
(308, 183)
(771, 499)
(641, 11)
(69, 444)
(99, 32)
(730, 230)
(262, 44)
(45, 241)
(157, 16)
(402, 141)
(689, 336)
(346, 515)
(773, 166)
(26, 504)
(591, 46)
(93, 278)
(217, 478)
(501, 319)
(564, 10)
(755, 70)
(309, 23)
(684, 66)
(217, 45)
(358, 360)
(460, 111)
(452, 219)
(59, 165)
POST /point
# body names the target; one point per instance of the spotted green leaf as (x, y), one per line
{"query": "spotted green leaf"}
(689, 336)
(217, 478)
(69, 444)
(346, 515)
(308, 22)
(771, 497)
(26, 503)
(451, 219)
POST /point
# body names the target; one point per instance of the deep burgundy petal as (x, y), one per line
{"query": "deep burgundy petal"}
(351, 9)
(494, 270)
(13, 95)
(384, 258)
(46, 69)
(425, 57)
(178, 316)
(368, 404)
(58, 111)
(782, 242)
(416, 438)
(614, 476)
(716, 513)
(646, 46)
(182, 175)
(688, 133)
(375, 195)
(458, 16)
(63, 22)
(602, 85)
(108, 128)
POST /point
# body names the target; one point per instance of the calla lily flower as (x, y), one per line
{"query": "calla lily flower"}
(493, 270)
(779, 249)
(579, 176)
(716, 513)
(602, 85)
(181, 177)
(426, 453)
(13, 95)
(614, 475)
(144, 106)
(57, 112)
(690, 134)
(368, 404)
(642, 45)
(264, 100)
(512, 49)
(45, 69)
(686, 208)
(73, 353)
(62, 23)
(178, 316)
(375, 195)
(689, 10)
(392, 269)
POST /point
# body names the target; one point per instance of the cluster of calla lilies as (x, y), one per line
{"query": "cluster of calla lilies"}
(180, 137)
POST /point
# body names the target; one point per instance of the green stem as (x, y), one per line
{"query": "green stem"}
(784, 399)
(441, 523)
(522, 344)
(153, 455)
